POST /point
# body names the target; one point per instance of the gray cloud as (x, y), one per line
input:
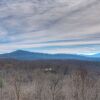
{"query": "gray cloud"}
(37, 24)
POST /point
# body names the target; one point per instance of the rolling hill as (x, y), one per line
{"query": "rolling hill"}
(26, 55)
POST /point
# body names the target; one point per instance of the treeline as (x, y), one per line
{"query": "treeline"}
(56, 65)
(46, 84)
(49, 80)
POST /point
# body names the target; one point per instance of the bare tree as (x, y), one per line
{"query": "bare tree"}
(79, 81)
(17, 82)
(1, 88)
(39, 82)
(55, 86)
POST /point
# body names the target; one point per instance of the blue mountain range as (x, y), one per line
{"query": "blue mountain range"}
(26, 55)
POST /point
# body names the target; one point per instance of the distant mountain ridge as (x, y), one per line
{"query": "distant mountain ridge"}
(26, 55)
(95, 55)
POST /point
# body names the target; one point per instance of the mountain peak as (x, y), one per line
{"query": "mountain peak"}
(19, 51)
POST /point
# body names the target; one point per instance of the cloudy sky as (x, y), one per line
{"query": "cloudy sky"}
(50, 26)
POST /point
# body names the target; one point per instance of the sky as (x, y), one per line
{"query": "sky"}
(50, 26)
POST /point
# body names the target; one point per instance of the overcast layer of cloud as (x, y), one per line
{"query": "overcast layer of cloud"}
(52, 26)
